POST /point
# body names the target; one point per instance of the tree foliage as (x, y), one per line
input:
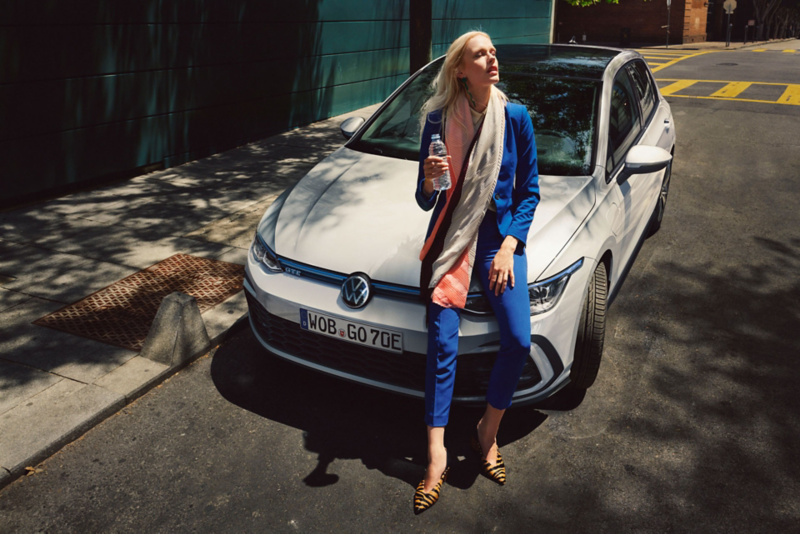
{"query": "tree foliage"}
(587, 3)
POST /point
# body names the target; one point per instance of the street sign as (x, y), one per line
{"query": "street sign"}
(729, 6)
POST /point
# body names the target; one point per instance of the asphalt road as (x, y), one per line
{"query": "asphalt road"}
(691, 425)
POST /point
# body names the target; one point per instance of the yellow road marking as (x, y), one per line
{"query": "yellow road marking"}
(732, 90)
(737, 99)
(672, 62)
(677, 86)
(791, 95)
(789, 51)
(760, 50)
(654, 64)
(664, 51)
(657, 53)
(719, 81)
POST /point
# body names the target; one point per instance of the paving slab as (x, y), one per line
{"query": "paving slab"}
(132, 247)
(32, 431)
(219, 318)
(56, 276)
(133, 377)
(235, 255)
(42, 348)
(236, 229)
(9, 299)
(18, 383)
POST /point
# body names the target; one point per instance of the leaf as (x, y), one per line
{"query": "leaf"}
(33, 471)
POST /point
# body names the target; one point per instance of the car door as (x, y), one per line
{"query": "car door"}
(624, 131)
(658, 128)
(656, 122)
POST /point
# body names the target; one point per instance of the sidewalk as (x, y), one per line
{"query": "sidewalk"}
(54, 386)
(716, 45)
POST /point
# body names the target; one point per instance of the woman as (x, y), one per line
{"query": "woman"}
(481, 222)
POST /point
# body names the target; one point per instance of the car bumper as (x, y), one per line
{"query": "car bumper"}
(275, 300)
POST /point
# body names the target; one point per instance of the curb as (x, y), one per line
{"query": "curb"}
(7, 476)
(719, 47)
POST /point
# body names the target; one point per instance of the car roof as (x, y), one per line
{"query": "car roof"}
(557, 60)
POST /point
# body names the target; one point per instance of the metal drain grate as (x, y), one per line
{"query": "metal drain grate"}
(121, 314)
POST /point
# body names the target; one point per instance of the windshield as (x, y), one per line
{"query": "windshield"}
(563, 112)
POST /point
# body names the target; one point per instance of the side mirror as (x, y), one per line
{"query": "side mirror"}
(350, 126)
(643, 159)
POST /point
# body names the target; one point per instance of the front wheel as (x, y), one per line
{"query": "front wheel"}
(661, 205)
(591, 332)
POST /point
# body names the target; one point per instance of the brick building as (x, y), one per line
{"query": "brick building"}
(645, 19)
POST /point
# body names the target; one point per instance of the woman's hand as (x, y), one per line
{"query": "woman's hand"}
(501, 272)
(433, 167)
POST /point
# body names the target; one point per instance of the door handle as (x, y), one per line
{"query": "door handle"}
(666, 124)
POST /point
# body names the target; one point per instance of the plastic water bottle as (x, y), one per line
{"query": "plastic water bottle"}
(439, 150)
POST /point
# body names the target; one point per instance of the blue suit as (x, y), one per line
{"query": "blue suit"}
(516, 196)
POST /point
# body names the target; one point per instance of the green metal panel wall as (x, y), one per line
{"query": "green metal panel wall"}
(97, 88)
(510, 21)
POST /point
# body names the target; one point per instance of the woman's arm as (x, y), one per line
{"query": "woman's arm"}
(524, 201)
(526, 184)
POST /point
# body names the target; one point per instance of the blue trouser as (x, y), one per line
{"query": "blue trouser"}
(512, 310)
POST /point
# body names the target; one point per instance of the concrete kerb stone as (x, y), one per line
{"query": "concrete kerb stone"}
(178, 332)
(66, 413)
(5, 477)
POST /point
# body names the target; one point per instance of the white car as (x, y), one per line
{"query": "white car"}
(332, 280)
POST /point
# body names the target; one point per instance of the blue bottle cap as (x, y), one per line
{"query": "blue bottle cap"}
(435, 137)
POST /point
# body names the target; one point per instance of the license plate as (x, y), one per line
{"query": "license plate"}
(361, 334)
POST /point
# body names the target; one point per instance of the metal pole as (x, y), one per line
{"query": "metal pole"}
(728, 38)
(668, 12)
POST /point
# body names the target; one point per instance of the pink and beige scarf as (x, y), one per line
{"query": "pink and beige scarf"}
(452, 269)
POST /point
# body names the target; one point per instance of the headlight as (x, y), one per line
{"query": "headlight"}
(545, 294)
(262, 254)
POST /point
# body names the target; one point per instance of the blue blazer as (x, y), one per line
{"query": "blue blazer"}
(517, 191)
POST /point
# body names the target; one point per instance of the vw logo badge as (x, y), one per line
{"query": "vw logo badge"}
(356, 290)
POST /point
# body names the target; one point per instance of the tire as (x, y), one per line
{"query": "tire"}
(591, 332)
(661, 205)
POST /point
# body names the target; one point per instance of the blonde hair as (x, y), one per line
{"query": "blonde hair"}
(446, 86)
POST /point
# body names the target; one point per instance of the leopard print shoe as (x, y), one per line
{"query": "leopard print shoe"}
(422, 500)
(496, 472)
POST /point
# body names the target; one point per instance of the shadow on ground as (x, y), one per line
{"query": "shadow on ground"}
(343, 420)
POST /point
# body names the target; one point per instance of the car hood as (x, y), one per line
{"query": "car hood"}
(356, 212)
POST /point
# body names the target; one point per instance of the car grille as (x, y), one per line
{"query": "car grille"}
(406, 370)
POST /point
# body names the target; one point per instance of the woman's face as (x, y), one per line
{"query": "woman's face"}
(479, 63)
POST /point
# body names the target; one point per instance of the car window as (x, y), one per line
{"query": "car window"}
(563, 112)
(623, 124)
(396, 131)
(644, 88)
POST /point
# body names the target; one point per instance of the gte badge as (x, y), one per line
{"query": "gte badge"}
(295, 272)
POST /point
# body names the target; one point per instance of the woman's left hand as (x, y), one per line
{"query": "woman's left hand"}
(501, 272)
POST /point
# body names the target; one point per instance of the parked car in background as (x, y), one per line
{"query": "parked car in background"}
(332, 280)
